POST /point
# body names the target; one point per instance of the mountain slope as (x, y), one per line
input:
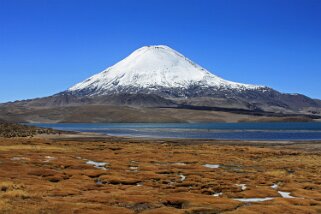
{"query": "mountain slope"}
(157, 79)
(153, 69)
(163, 72)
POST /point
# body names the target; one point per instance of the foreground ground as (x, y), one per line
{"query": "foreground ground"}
(71, 174)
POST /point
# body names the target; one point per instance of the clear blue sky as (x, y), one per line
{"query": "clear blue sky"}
(47, 46)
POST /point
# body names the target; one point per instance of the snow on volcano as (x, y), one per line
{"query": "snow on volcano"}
(153, 67)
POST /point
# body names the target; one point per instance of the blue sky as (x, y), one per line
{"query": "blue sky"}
(47, 46)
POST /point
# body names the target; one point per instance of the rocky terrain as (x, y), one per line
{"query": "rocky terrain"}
(79, 174)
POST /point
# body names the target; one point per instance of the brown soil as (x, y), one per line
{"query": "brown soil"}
(50, 175)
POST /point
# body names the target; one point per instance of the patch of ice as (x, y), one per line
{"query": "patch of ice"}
(133, 169)
(285, 194)
(212, 166)
(80, 158)
(98, 165)
(243, 186)
(179, 163)
(48, 159)
(253, 199)
(217, 194)
(18, 158)
(275, 186)
(183, 177)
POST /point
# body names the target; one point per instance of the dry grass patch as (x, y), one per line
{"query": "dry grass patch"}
(30, 147)
(9, 186)
(16, 194)
(12, 190)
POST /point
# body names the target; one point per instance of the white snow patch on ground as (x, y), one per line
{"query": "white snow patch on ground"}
(183, 177)
(285, 194)
(243, 186)
(275, 186)
(253, 199)
(80, 158)
(19, 158)
(98, 165)
(212, 166)
(133, 168)
(48, 159)
(179, 163)
(217, 194)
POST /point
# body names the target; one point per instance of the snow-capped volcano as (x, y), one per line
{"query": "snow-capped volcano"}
(154, 67)
(158, 84)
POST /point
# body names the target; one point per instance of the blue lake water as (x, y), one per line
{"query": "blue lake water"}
(227, 131)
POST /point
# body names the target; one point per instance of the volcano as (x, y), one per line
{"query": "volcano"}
(159, 84)
(155, 70)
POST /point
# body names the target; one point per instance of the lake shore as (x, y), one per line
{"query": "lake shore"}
(93, 173)
(269, 132)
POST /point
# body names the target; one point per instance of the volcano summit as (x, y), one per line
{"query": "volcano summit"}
(154, 68)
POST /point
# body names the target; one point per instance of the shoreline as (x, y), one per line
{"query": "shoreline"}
(265, 132)
(306, 145)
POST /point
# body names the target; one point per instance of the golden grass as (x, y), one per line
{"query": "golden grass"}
(9, 190)
(66, 184)
(3, 204)
(9, 186)
(277, 173)
(16, 194)
(30, 147)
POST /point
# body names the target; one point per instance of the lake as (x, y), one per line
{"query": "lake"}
(224, 131)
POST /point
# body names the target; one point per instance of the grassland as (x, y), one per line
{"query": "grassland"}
(52, 175)
(8, 129)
